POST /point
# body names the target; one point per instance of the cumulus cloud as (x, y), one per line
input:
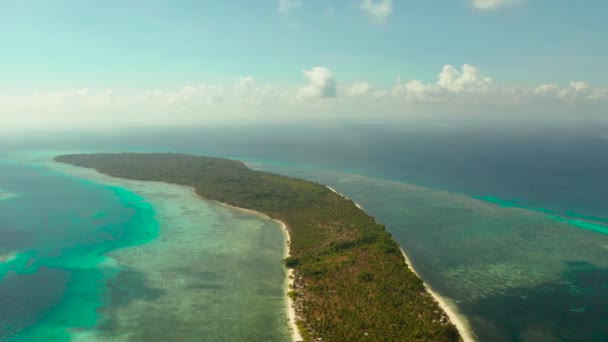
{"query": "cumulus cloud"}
(461, 92)
(59, 101)
(574, 90)
(468, 80)
(249, 93)
(321, 83)
(358, 88)
(195, 95)
(377, 10)
(469, 85)
(492, 4)
(286, 6)
(451, 82)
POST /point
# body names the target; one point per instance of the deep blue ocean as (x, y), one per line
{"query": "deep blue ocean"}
(507, 221)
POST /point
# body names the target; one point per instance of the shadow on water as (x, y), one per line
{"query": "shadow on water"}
(574, 308)
(21, 298)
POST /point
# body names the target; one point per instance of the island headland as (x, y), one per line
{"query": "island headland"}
(349, 279)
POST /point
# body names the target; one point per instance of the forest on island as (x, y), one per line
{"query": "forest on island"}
(351, 282)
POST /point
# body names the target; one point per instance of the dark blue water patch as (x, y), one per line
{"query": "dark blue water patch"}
(57, 232)
(552, 316)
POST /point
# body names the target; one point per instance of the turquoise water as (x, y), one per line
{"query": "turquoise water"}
(55, 233)
(85, 257)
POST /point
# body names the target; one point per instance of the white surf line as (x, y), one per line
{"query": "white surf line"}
(340, 194)
(460, 322)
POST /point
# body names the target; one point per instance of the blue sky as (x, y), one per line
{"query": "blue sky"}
(129, 43)
(132, 47)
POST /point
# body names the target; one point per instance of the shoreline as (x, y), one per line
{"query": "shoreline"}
(459, 321)
(290, 277)
(450, 310)
(336, 192)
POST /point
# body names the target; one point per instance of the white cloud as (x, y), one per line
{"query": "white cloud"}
(249, 93)
(469, 85)
(321, 83)
(450, 83)
(286, 6)
(196, 95)
(580, 90)
(377, 10)
(492, 4)
(460, 92)
(468, 80)
(358, 88)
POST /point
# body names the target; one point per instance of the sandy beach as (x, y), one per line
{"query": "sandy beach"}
(334, 190)
(452, 313)
(458, 320)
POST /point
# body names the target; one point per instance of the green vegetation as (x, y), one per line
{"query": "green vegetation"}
(350, 277)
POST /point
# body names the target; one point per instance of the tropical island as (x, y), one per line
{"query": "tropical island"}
(350, 281)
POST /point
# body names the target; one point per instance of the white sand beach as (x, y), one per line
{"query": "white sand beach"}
(334, 190)
(455, 317)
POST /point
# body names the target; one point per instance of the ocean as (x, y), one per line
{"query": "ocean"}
(508, 222)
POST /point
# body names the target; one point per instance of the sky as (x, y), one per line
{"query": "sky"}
(72, 63)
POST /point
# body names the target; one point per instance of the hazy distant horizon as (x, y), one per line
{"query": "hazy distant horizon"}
(65, 67)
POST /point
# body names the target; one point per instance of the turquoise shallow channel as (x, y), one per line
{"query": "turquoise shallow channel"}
(88, 257)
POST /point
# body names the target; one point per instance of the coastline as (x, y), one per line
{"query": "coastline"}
(293, 331)
(288, 302)
(336, 192)
(461, 323)
(450, 310)
(289, 280)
